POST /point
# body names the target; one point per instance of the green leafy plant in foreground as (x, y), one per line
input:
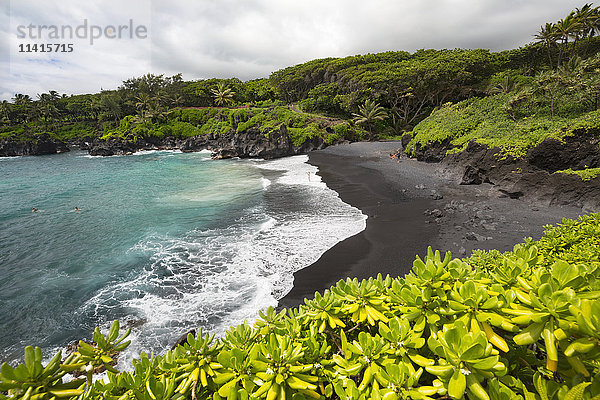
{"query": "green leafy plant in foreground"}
(523, 324)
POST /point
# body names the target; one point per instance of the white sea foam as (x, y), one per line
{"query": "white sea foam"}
(221, 277)
(296, 171)
(265, 182)
(137, 153)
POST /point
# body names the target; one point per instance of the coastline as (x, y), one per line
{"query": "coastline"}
(411, 205)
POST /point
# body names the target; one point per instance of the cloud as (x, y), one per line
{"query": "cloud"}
(251, 38)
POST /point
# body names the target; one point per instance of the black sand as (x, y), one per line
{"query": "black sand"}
(411, 205)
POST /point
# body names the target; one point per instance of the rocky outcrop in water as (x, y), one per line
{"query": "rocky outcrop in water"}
(250, 143)
(40, 145)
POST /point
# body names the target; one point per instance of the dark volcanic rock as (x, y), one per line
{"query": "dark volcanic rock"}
(405, 139)
(112, 147)
(473, 176)
(41, 145)
(253, 143)
(577, 152)
(183, 339)
(195, 143)
(433, 152)
(531, 178)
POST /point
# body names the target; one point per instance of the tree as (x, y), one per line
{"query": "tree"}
(549, 36)
(143, 101)
(47, 107)
(110, 104)
(20, 99)
(506, 85)
(567, 28)
(589, 19)
(222, 95)
(4, 110)
(368, 114)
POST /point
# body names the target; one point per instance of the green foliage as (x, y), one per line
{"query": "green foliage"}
(409, 84)
(368, 114)
(223, 96)
(488, 121)
(301, 135)
(520, 325)
(73, 131)
(33, 381)
(179, 129)
(584, 174)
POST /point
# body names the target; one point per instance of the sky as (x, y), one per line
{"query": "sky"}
(88, 46)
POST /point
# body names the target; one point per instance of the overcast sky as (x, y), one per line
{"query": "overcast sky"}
(243, 38)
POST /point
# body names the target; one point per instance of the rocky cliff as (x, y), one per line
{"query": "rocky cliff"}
(35, 147)
(532, 177)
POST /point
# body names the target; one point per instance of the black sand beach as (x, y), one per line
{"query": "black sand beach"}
(411, 205)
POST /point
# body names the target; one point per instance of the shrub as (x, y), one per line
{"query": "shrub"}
(493, 326)
(488, 121)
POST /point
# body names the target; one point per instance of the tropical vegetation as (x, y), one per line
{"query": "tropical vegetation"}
(524, 324)
(547, 78)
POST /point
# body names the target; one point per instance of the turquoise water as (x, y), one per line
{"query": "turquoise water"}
(164, 242)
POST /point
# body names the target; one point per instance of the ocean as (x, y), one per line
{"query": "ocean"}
(163, 241)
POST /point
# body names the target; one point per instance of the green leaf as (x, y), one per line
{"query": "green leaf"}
(540, 386)
(30, 360)
(486, 364)
(457, 385)
(6, 371)
(113, 332)
(576, 393)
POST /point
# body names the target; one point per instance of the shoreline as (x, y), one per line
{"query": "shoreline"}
(411, 205)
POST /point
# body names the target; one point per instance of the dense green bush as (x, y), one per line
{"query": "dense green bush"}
(488, 122)
(179, 129)
(520, 325)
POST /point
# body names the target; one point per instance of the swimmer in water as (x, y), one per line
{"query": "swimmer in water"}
(34, 210)
(77, 209)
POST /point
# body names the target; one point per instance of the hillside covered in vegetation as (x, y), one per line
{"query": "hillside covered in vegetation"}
(531, 93)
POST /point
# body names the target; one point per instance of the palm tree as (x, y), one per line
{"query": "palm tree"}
(143, 101)
(223, 95)
(46, 107)
(53, 94)
(367, 114)
(588, 18)
(176, 99)
(567, 28)
(155, 112)
(572, 69)
(5, 109)
(547, 84)
(21, 99)
(548, 35)
(110, 104)
(507, 85)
